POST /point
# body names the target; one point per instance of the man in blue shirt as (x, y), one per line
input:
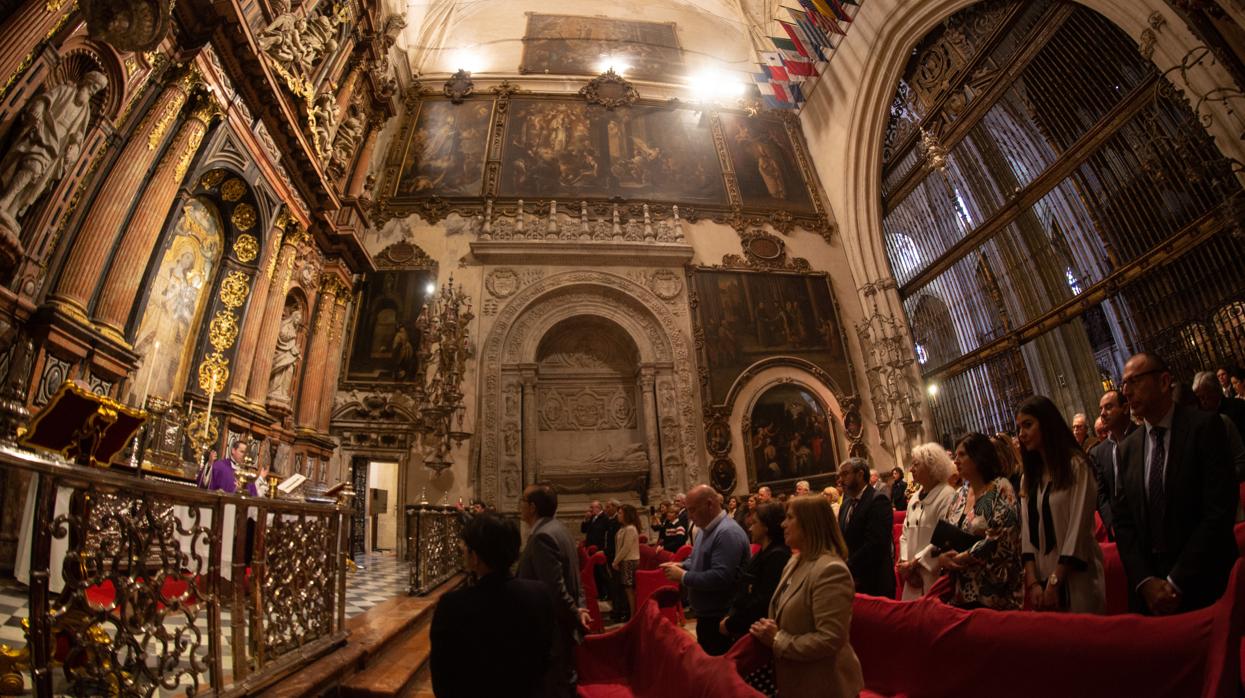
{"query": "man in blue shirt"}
(719, 554)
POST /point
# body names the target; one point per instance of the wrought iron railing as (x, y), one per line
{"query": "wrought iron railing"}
(432, 534)
(142, 588)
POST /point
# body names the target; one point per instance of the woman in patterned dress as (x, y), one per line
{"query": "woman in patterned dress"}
(627, 551)
(988, 574)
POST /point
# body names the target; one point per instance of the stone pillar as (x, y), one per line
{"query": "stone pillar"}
(332, 370)
(308, 413)
(21, 34)
(363, 164)
(648, 407)
(94, 243)
(279, 274)
(132, 256)
(252, 325)
(530, 425)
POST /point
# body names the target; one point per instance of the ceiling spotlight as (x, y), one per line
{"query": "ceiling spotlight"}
(468, 60)
(431, 288)
(932, 389)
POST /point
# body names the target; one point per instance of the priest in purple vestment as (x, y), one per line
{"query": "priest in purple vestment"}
(220, 475)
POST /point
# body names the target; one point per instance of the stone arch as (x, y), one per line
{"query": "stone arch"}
(510, 350)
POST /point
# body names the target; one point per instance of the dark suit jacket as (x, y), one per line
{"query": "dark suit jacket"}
(1234, 409)
(870, 543)
(550, 557)
(899, 495)
(1103, 466)
(594, 530)
(1200, 504)
(756, 587)
(503, 621)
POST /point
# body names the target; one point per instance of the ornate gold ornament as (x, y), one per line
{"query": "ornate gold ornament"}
(223, 330)
(246, 248)
(211, 179)
(610, 90)
(243, 216)
(459, 86)
(213, 371)
(137, 25)
(192, 147)
(233, 290)
(161, 124)
(233, 190)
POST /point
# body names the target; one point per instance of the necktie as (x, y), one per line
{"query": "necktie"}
(1154, 486)
(851, 507)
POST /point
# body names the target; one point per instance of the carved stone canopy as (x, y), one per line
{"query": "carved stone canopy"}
(610, 90)
(128, 25)
(459, 86)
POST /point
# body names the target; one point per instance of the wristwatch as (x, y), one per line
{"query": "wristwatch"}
(1053, 580)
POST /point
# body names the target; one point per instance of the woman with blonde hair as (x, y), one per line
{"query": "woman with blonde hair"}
(918, 560)
(812, 609)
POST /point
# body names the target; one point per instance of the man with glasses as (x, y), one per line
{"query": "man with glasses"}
(866, 519)
(550, 558)
(1175, 504)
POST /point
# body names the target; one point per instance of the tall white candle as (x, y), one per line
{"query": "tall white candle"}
(207, 417)
(151, 369)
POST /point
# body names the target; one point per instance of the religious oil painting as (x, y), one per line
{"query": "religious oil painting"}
(750, 316)
(386, 335)
(445, 155)
(179, 289)
(568, 150)
(791, 435)
(766, 166)
(571, 45)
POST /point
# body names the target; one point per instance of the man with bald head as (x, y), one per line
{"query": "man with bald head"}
(711, 573)
(1175, 504)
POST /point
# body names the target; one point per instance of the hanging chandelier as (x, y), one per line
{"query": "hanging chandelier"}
(443, 347)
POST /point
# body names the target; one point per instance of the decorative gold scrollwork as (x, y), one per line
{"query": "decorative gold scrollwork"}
(211, 179)
(243, 216)
(223, 330)
(246, 248)
(213, 372)
(233, 190)
(233, 289)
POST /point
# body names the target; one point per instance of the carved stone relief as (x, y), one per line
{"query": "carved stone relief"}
(502, 283)
(587, 409)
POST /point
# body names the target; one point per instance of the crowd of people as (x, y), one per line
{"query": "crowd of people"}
(1010, 520)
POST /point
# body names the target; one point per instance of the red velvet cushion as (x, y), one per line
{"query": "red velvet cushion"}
(1116, 580)
(898, 517)
(683, 553)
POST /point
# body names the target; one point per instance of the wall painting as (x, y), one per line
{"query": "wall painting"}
(791, 436)
(765, 162)
(445, 154)
(571, 45)
(386, 337)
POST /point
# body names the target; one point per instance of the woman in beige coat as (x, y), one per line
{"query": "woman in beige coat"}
(812, 608)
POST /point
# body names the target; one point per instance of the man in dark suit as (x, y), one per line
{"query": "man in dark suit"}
(550, 557)
(1176, 502)
(866, 519)
(1113, 411)
(507, 620)
(594, 527)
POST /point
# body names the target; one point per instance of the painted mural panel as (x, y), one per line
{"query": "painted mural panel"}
(790, 435)
(386, 337)
(165, 337)
(571, 45)
(445, 155)
(568, 150)
(750, 316)
(766, 167)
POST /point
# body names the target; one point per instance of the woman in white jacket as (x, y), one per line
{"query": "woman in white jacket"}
(918, 561)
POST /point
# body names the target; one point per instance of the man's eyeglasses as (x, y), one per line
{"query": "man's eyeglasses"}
(1132, 380)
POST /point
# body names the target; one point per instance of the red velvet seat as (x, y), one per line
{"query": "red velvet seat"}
(756, 548)
(1116, 579)
(683, 553)
(664, 556)
(649, 581)
(643, 539)
(1192, 654)
(649, 658)
(899, 517)
(648, 557)
(588, 580)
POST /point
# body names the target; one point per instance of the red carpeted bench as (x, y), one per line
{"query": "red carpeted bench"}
(650, 657)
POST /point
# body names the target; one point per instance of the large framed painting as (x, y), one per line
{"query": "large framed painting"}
(386, 338)
(766, 162)
(445, 151)
(566, 149)
(572, 45)
(747, 316)
(790, 436)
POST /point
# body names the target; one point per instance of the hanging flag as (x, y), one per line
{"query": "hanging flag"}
(781, 93)
(824, 20)
(809, 41)
(813, 31)
(839, 11)
(794, 42)
(797, 94)
(799, 69)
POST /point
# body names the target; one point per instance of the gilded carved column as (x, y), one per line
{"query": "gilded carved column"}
(121, 285)
(648, 407)
(317, 354)
(31, 22)
(333, 368)
(530, 426)
(278, 273)
(253, 323)
(363, 164)
(94, 243)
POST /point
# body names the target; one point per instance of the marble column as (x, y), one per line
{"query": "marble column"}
(279, 273)
(93, 246)
(332, 370)
(257, 308)
(310, 387)
(530, 426)
(139, 241)
(21, 33)
(648, 408)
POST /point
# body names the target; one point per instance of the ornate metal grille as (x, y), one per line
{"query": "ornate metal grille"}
(1064, 206)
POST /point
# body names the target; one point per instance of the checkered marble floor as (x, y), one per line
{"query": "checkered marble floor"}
(379, 577)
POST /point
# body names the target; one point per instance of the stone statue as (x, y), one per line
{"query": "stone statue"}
(299, 42)
(48, 140)
(325, 113)
(285, 359)
(348, 135)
